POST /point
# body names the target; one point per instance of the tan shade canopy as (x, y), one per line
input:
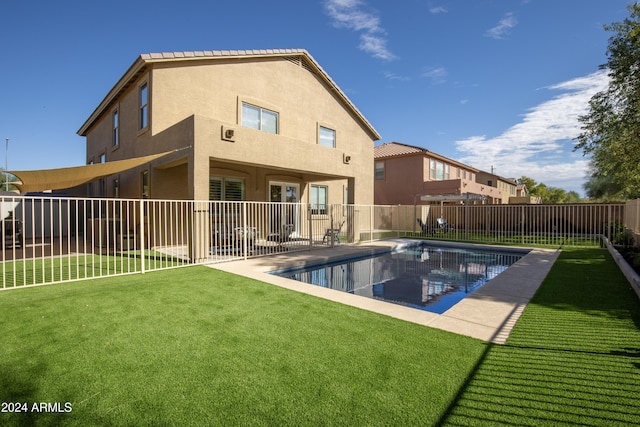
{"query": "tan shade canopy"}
(58, 179)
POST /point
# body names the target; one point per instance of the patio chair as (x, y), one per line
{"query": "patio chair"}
(251, 236)
(283, 236)
(332, 234)
(443, 225)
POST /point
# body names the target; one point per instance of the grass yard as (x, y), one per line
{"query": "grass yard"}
(44, 270)
(573, 358)
(195, 346)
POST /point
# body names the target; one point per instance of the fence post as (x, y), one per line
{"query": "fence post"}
(371, 222)
(522, 217)
(142, 237)
(310, 221)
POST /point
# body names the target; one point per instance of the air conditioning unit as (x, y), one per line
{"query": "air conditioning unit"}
(228, 134)
(346, 159)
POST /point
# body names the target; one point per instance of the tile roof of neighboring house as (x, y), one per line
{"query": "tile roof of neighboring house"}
(398, 149)
(390, 149)
(304, 59)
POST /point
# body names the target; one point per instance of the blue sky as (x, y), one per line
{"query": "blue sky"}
(491, 83)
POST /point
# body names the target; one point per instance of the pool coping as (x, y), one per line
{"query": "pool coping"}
(488, 314)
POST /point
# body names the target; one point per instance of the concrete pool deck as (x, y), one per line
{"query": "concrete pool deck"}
(488, 314)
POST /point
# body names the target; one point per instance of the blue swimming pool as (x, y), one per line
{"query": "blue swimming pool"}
(422, 276)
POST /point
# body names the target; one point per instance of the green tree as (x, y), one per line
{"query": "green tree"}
(530, 183)
(611, 128)
(549, 194)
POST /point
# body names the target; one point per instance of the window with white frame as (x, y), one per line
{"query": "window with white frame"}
(439, 171)
(259, 118)
(319, 199)
(379, 170)
(143, 107)
(115, 140)
(447, 171)
(432, 169)
(229, 189)
(327, 137)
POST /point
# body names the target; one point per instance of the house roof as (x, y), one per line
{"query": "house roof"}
(145, 60)
(391, 149)
(398, 149)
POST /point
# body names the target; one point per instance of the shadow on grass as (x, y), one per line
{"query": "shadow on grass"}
(572, 358)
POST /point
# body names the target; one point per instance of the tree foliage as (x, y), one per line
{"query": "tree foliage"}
(549, 194)
(611, 128)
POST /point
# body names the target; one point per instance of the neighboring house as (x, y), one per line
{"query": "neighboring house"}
(404, 172)
(258, 125)
(523, 197)
(507, 186)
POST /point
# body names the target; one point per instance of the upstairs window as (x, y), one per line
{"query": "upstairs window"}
(439, 171)
(115, 140)
(327, 137)
(259, 118)
(143, 107)
(379, 170)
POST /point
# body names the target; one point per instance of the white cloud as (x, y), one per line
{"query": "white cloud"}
(503, 27)
(392, 76)
(437, 9)
(438, 75)
(540, 145)
(350, 14)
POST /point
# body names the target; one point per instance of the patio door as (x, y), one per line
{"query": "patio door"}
(289, 193)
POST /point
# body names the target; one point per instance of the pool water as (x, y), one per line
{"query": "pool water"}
(423, 276)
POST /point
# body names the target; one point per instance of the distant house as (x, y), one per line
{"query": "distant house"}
(258, 125)
(512, 192)
(507, 186)
(405, 172)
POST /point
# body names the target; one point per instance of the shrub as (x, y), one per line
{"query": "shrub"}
(624, 238)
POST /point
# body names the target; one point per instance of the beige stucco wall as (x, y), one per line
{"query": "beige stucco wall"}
(190, 103)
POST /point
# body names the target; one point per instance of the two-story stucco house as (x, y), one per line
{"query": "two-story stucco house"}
(258, 125)
(405, 172)
(507, 186)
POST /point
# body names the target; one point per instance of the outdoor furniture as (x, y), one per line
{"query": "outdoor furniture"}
(284, 235)
(251, 234)
(443, 225)
(332, 234)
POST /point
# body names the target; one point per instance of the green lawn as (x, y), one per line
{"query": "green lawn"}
(195, 346)
(45, 270)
